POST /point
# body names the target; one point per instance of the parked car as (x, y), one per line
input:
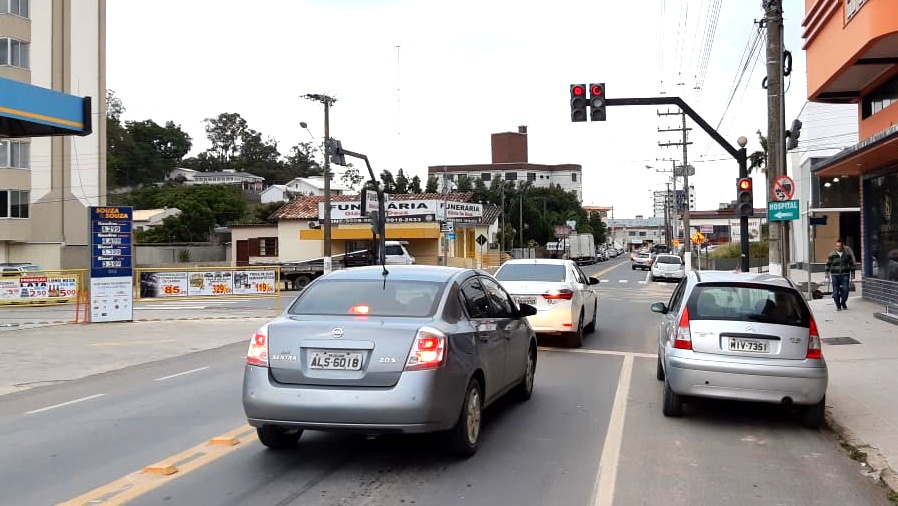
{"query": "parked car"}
(563, 295)
(416, 349)
(740, 336)
(667, 266)
(17, 268)
(641, 260)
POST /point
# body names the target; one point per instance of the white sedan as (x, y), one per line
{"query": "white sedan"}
(668, 266)
(563, 295)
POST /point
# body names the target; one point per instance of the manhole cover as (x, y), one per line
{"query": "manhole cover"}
(840, 340)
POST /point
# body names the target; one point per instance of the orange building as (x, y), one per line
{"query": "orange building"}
(852, 57)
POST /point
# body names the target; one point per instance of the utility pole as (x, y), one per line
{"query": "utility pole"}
(667, 239)
(328, 102)
(776, 126)
(685, 168)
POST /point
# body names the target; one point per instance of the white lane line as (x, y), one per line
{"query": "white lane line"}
(181, 373)
(622, 281)
(607, 478)
(600, 352)
(64, 404)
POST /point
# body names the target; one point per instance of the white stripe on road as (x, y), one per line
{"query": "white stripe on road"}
(181, 373)
(64, 404)
(622, 281)
(607, 478)
(600, 352)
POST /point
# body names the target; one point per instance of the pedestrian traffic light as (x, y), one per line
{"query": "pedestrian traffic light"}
(745, 205)
(597, 101)
(578, 102)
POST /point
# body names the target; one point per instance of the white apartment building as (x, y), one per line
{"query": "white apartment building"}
(47, 183)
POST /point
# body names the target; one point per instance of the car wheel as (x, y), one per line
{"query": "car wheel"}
(464, 438)
(278, 438)
(672, 404)
(659, 371)
(524, 390)
(814, 416)
(575, 338)
(595, 313)
(634, 267)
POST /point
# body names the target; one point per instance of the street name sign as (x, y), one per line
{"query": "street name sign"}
(786, 210)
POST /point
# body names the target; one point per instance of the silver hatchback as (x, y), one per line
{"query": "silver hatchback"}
(740, 336)
(406, 349)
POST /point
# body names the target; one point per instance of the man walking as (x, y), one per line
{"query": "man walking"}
(839, 268)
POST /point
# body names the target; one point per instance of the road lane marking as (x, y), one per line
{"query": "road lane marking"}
(608, 463)
(622, 281)
(198, 369)
(131, 486)
(599, 352)
(41, 410)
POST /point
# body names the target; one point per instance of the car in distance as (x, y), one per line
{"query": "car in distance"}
(740, 336)
(667, 266)
(641, 260)
(400, 349)
(565, 301)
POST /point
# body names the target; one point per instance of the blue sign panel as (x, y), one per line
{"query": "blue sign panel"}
(33, 111)
(110, 241)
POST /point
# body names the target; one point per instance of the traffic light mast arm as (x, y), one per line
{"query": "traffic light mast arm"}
(381, 206)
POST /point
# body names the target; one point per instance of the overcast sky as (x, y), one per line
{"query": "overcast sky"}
(462, 70)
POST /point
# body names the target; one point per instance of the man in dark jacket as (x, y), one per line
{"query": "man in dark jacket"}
(840, 268)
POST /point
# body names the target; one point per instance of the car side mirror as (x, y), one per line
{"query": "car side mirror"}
(592, 281)
(526, 310)
(659, 307)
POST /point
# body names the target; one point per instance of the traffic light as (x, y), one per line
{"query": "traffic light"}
(578, 102)
(335, 151)
(597, 101)
(745, 202)
(793, 134)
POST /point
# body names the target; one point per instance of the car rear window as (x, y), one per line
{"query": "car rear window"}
(748, 302)
(669, 260)
(531, 272)
(373, 297)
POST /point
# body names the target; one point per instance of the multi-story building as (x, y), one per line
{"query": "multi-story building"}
(510, 162)
(852, 58)
(47, 183)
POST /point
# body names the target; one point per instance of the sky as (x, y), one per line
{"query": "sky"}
(422, 83)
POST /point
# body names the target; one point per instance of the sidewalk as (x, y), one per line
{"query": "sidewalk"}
(863, 379)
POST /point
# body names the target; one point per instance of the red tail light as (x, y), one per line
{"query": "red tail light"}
(683, 339)
(814, 348)
(428, 351)
(564, 293)
(258, 349)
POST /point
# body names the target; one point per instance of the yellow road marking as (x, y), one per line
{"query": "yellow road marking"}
(604, 271)
(151, 477)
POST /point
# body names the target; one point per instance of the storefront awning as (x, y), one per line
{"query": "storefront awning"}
(32, 111)
(864, 157)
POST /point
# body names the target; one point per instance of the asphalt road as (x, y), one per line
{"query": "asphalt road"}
(593, 433)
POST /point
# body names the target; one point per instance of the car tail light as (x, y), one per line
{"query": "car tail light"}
(428, 350)
(814, 348)
(683, 339)
(258, 349)
(564, 293)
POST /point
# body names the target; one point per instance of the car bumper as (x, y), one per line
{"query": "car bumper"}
(552, 321)
(693, 376)
(421, 401)
(668, 275)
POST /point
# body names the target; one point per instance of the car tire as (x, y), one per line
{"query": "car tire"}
(633, 267)
(595, 314)
(672, 404)
(814, 416)
(659, 370)
(524, 390)
(464, 438)
(278, 438)
(575, 338)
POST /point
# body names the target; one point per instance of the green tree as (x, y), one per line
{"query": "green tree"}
(203, 207)
(415, 185)
(464, 184)
(432, 184)
(301, 160)
(226, 133)
(758, 159)
(389, 182)
(402, 182)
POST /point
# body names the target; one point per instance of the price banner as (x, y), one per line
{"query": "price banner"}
(163, 284)
(24, 289)
(254, 282)
(210, 283)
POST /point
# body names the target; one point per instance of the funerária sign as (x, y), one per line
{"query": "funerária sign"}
(405, 208)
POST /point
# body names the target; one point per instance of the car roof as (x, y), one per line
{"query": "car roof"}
(741, 277)
(667, 255)
(433, 273)
(550, 261)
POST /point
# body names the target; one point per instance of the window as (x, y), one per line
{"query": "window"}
(743, 302)
(574, 177)
(263, 247)
(476, 303)
(14, 52)
(511, 176)
(501, 304)
(14, 203)
(486, 176)
(16, 7)
(531, 272)
(531, 176)
(372, 297)
(883, 96)
(15, 154)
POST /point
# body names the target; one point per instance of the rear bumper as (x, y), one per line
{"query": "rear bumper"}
(422, 401)
(552, 321)
(668, 275)
(804, 383)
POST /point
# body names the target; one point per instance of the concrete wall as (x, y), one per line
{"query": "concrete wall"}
(156, 255)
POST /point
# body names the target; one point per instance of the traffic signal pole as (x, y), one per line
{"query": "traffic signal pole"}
(740, 154)
(776, 127)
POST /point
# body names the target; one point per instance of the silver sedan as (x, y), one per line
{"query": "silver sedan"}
(407, 349)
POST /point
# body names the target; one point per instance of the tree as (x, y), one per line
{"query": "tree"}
(401, 182)
(432, 184)
(114, 107)
(415, 185)
(386, 177)
(758, 159)
(301, 160)
(226, 133)
(203, 207)
(351, 177)
(464, 184)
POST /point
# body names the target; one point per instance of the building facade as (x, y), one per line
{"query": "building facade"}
(510, 162)
(47, 183)
(852, 58)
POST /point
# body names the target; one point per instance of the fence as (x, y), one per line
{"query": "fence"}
(179, 253)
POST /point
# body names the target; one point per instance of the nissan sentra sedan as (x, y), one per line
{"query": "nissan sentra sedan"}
(404, 349)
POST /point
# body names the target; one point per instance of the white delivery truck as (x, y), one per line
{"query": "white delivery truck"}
(582, 248)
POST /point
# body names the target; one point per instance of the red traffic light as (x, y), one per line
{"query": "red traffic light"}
(577, 91)
(596, 90)
(745, 184)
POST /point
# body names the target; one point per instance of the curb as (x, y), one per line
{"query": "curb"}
(879, 468)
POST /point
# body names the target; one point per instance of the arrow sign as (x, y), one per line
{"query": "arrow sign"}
(786, 210)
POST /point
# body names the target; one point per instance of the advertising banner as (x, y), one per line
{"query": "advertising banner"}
(111, 266)
(407, 211)
(111, 299)
(254, 282)
(754, 230)
(196, 283)
(29, 288)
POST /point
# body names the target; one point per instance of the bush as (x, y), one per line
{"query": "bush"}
(734, 250)
(184, 255)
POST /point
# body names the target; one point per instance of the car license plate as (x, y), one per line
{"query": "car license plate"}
(526, 300)
(336, 361)
(753, 345)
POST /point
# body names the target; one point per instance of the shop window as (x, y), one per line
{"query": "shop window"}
(881, 217)
(883, 96)
(263, 247)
